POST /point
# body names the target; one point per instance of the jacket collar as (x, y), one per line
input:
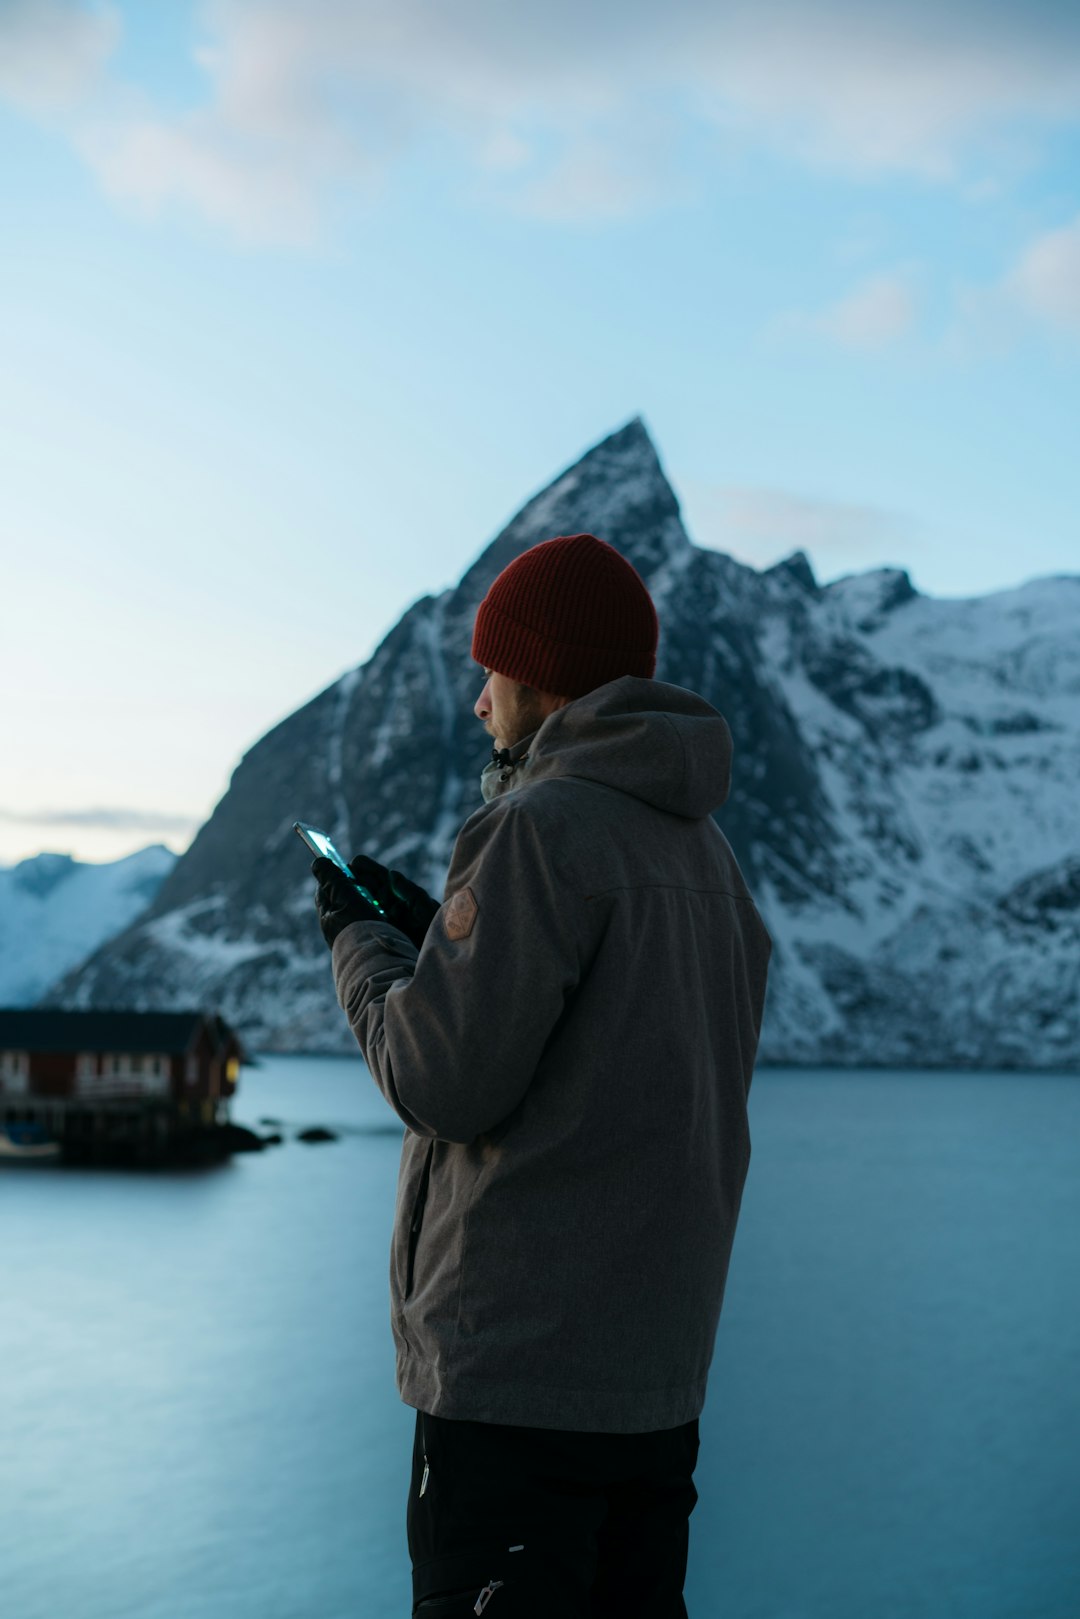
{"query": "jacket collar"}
(507, 769)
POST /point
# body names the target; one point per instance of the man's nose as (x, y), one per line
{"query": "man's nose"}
(482, 707)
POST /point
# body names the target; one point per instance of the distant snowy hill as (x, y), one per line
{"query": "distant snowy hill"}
(904, 804)
(55, 910)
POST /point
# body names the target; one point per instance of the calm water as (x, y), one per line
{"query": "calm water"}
(199, 1419)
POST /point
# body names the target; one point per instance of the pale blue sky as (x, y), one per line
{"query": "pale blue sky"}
(299, 303)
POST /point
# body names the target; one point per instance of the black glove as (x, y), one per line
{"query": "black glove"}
(338, 901)
(406, 905)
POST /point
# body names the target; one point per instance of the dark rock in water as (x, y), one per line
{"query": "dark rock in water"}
(316, 1133)
(274, 1140)
(237, 1138)
(273, 1123)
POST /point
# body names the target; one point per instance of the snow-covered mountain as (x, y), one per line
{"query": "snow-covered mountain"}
(904, 802)
(55, 910)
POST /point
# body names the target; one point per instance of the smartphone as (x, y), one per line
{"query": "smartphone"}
(319, 844)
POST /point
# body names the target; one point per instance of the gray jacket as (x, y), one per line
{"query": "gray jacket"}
(571, 1053)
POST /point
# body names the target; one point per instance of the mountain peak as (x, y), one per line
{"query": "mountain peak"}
(55, 910)
(795, 569)
(870, 597)
(41, 873)
(617, 490)
(902, 803)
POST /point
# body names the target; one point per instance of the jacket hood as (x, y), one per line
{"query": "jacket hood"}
(659, 743)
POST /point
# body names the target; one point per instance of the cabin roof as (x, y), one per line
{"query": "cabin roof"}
(48, 1029)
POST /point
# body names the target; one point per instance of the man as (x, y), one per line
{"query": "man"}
(569, 1040)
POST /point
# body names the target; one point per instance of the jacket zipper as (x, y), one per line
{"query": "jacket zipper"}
(417, 1220)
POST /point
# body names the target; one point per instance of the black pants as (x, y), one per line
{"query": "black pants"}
(515, 1522)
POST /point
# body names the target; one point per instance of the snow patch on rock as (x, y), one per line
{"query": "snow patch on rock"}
(55, 911)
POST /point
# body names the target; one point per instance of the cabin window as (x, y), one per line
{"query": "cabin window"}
(232, 1070)
(14, 1070)
(121, 1064)
(136, 1072)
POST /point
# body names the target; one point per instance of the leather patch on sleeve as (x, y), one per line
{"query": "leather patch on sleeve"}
(459, 914)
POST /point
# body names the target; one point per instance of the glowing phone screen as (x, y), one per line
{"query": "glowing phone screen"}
(320, 844)
(323, 846)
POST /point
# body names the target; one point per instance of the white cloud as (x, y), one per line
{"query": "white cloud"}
(53, 52)
(760, 525)
(908, 86)
(992, 317)
(231, 181)
(1047, 279)
(541, 99)
(874, 314)
(595, 178)
(878, 312)
(113, 820)
(590, 181)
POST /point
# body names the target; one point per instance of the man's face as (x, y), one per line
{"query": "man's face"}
(511, 711)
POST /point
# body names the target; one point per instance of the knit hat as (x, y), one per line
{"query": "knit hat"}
(566, 616)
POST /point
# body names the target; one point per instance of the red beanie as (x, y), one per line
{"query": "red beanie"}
(566, 616)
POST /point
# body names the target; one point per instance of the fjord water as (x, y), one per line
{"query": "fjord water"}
(199, 1419)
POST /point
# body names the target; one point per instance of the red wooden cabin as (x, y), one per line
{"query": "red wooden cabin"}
(187, 1063)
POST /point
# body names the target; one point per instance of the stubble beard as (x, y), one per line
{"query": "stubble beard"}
(521, 717)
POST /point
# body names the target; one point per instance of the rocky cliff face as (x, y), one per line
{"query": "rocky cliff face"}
(904, 798)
